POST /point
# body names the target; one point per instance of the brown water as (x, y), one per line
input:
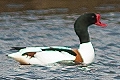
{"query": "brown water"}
(69, 6)
(50, 23)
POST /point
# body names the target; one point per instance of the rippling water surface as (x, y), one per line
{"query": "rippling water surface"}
(30, 28)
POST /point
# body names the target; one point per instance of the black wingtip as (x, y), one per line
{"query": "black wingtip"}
(17, 48)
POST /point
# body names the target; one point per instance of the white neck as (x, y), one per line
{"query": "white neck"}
(87, 52)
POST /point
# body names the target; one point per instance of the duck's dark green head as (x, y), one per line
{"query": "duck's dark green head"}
(83, 22)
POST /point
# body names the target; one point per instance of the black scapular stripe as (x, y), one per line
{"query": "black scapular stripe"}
(58, 49)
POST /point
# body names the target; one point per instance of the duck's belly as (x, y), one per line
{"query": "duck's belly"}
(47, 57)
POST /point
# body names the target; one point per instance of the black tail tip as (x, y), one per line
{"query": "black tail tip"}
(17, 48)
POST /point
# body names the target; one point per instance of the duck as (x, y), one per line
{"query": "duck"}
(47, 55)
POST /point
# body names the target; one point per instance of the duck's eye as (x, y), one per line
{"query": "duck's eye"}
(93, 16)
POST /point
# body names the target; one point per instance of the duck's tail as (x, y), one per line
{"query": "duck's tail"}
(17, 48)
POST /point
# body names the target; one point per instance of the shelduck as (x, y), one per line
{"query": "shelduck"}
(47, 55)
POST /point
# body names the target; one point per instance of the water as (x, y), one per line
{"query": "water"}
(46, 28)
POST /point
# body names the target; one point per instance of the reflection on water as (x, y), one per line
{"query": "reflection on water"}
(69, 5)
